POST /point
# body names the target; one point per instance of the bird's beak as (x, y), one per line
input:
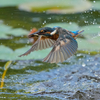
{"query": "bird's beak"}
(52, 33)
(33, 34)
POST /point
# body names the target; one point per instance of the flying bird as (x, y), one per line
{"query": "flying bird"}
(62, 41)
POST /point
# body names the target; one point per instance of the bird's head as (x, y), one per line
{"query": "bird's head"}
(46, 31)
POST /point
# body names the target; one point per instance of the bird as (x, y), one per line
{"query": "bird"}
(62, 41)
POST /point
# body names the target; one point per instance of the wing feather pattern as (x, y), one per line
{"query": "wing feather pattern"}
(63, 48)
(39, 45)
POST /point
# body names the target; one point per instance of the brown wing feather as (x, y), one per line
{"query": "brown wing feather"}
(39, 44)
(62, 50)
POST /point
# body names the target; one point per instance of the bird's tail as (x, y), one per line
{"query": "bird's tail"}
(80, 31)
(77, 32)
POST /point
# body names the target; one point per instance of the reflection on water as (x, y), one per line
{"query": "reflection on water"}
(79, 77)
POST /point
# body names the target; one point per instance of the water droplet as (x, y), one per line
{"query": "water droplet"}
(66, 97)
(64, 84)
(49, 18)
(96, 63)
(85, 21)
(1, 21)
(95, 74)
(70, 23)
(93, 1)
(27, 42)
(91, 12)
(43, 11)
(45, 21)
(83, 64)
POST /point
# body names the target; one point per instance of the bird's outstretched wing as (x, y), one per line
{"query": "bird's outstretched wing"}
(63, 48)
(41, 43)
